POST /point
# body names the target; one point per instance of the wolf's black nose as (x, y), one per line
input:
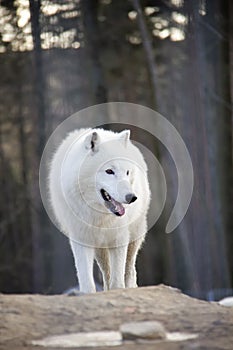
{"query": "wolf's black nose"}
(130, 198)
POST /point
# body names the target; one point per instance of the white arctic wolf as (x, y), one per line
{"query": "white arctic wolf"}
(100, 195)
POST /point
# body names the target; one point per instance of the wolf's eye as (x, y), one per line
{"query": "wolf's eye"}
(110, 171)
(127, 173)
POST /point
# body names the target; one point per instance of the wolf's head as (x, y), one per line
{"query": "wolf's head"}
(111, 164)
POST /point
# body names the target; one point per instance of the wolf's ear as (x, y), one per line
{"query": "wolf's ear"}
(92, 142)
(124, 136)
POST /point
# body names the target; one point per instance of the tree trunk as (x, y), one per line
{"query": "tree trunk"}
(38, 215)
(89, 10)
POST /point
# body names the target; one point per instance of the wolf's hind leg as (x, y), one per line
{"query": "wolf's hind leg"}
(130, 268)
(102, 258)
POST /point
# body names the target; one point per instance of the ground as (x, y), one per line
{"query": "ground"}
(24, 318)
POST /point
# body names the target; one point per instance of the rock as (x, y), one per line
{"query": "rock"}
(180, 336)
(226, 302)
(143, 330)
(76, 340)
(25, 318)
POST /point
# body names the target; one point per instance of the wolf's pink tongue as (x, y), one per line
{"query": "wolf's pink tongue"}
(115, 207)
(121, 210)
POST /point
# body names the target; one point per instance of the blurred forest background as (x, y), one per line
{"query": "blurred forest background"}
(57, 57)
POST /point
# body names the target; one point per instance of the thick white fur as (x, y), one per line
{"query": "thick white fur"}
(76, 176)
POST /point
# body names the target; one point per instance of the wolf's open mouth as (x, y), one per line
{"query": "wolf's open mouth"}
(110, 203)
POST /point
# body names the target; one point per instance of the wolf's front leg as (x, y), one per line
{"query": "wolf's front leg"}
(117, 267)
(84, 258)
